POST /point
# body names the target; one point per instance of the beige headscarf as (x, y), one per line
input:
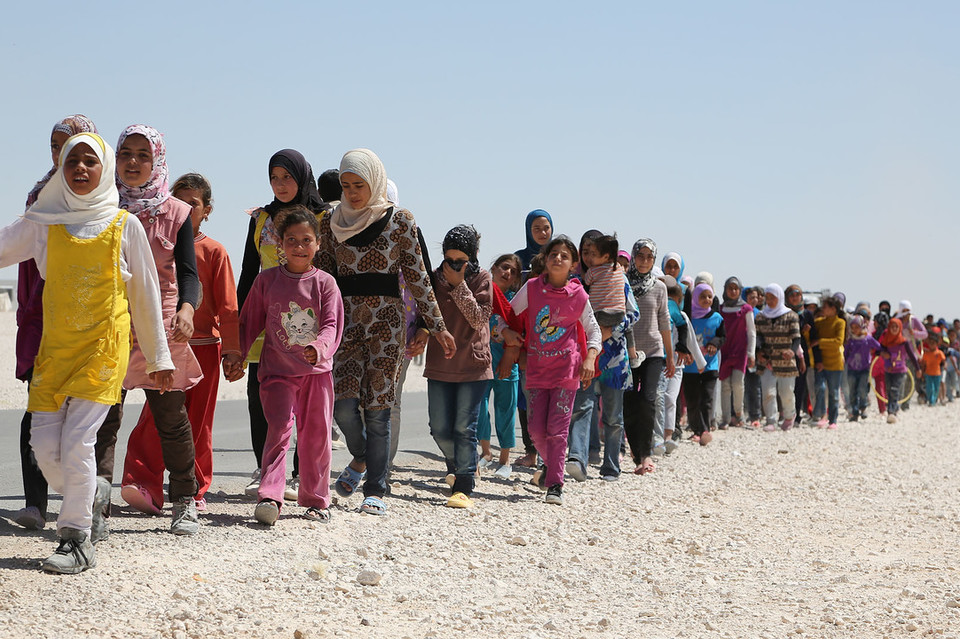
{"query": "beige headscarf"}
(347, 221)
(58, 204)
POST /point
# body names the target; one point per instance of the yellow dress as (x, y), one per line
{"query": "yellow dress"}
(86, 322)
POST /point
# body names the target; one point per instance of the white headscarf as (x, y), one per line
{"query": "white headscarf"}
(780, 308)
(347, 221)
(58, 204)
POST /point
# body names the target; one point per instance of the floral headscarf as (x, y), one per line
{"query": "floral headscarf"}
(71, 125)
(146, 199)
(641, 283)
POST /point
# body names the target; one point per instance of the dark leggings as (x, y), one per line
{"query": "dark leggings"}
(639, 407)
(699, 390)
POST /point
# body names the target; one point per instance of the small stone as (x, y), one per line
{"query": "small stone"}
(647, 613)
(603, 623)
(362, 552)
(517, 541)
(369, 577)
(709, 626)
(474, 565)
(301, 634)
(364, 622)
(911, 627)
(593, 541)
(953, 603)
(550, 626)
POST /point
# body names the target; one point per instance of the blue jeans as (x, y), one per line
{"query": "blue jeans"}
(584, 409)
(453, 409)
(368, 440)
(894, 391)
(828, 391)
(859, 391)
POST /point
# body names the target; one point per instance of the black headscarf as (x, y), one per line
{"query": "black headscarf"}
(464, 237)
(298, 167)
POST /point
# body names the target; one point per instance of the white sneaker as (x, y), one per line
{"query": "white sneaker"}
(185, 520)
(30, 518)
(253, 488)
(74, 554)
(504, 471)
(292, 491)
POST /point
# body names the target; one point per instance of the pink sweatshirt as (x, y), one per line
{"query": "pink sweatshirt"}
(294, 310)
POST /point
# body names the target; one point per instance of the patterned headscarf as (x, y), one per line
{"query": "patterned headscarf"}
(146, 199)
(71, 125)
(641, 283)
(464, 237)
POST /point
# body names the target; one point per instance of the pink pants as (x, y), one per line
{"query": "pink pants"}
(548, 422)
(144, 465)
(308, 401)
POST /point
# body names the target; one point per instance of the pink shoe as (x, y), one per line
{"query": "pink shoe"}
(201, 504)
(769, 428)
(822, 423)
(140, 499)
(832, 426)
(787, 424)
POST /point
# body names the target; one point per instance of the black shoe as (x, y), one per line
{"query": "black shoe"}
(554, 495)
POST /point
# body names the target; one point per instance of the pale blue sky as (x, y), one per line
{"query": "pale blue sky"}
(807, 142)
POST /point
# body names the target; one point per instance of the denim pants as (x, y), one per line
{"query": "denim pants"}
(858, 391)
(894, 382)
(608, 402)
(368, 440)
(828, 392)
(639, 407)
(453, 409)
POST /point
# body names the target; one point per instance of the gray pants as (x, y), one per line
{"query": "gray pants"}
(772, 387)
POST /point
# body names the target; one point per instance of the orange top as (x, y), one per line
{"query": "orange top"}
(931, 360)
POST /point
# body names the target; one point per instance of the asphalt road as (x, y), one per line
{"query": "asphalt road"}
(233, 458)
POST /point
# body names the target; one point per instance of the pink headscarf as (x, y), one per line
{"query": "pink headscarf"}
(696, 310)
(146, 199)
(71, 125)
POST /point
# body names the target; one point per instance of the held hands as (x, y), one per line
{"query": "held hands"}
(710, 350)
(419, 342)
(511, 337)
(163, 380)
(183, 324)
(232, 367)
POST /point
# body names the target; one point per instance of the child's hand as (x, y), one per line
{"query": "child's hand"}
(511, 337)
(507, 361)
(310, 355)
(447, 342)
(818, 366)
(711, 350)
(232, 367)
(587, 370)
(787, 354)
(163, 380)
(183, 324)
(751, 362)
(685, 359)
(671, 368)
(419, 342)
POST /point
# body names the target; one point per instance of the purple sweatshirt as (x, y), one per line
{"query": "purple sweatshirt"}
(857, 351)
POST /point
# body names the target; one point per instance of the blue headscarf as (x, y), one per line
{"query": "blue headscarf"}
(532, 248)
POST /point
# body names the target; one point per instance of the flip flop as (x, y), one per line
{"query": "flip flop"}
(348, 478)
(373, 506)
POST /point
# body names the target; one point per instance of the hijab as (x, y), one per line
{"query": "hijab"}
(888, 339)
(71, 125)
(736, 303)
(348, 221)
(641, 283)
(146, 199)
(464, 237)
(532, 248)
(697, 310)
(673, 256)
(703, 277)
(778, 310)
(300, 170)
(58, 204)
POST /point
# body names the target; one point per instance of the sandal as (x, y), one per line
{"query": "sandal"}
(348, 481)
(373, 506)
(317, 514)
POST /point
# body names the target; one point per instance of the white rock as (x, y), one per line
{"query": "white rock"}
(517, 541)
(369, 577)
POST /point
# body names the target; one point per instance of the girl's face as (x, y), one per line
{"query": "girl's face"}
(706, 299)
(199, 212)
(589, 254)
(753, 298)
(135, 160)
(356, 191)
(732, 291)
(541, 231)
(300, 246)
(82, 169)
(505, 274)
(856, 329)
(623, 262)
(283, 184)
(829, 311)
(771, 300)
(894, 328)
(643, 260)
(57, 140)
(671, 268)
(559, 263)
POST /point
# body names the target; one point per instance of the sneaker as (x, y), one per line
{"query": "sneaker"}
(669, 446)
(504, 471)
(185, 520)
(852, 417)
(832, 426)
(538, 478)
(554, 495)
(609, 477)
(575, 470)
(101, 500)
(292, 491)
(659, 450)
(459, 500)
(253, 488)
(267, 512)
(787, 424)
(30, 518)
(139, 498)
(822, 422)
(769, 428)
(74, 554)
(891, 418)
(484, 462)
